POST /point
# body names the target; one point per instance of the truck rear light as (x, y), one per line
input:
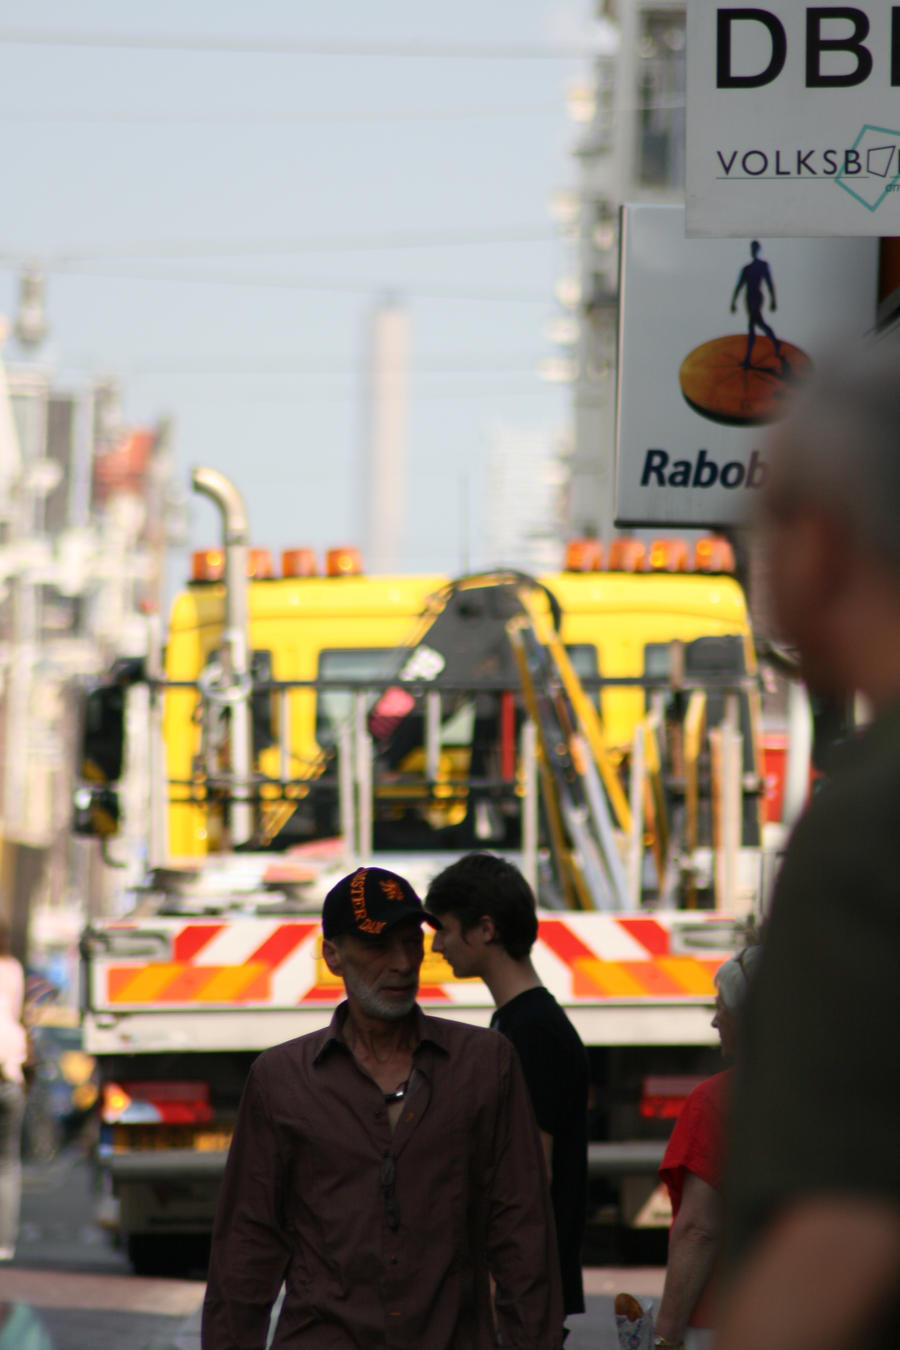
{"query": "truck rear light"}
(663, 1095)
(114, 1105)
(162, 1103)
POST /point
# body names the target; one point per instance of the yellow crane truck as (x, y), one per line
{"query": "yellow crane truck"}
(598, 725)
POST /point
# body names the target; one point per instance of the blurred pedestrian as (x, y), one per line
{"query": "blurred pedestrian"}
(22, 1329)
(692, 1170)
(13, 1045)
(386, 1168)
(814, 1167)
(487, 927)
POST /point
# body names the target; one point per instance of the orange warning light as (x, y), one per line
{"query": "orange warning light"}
(208, 564)
(712, 553)
(627, 555)
(299, 562)
(584, 555)
(343, 562)
(668, 555)
(259, 564)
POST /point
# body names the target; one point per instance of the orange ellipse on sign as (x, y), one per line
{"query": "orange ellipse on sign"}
(718, 384)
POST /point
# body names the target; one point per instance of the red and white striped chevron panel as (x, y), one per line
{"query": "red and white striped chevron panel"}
(277, 963)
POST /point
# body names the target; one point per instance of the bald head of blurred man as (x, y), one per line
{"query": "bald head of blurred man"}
(831, 516)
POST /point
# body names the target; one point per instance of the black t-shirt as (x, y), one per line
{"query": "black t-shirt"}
(817, 1083)
(556, 1072)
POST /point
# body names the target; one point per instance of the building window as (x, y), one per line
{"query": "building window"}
(660, 96)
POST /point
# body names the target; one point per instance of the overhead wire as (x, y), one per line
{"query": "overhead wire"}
(524, 385)
(304, 365)
(255, 117)
(263, 118)
(415, 290)
(282, 46)
(325, 243)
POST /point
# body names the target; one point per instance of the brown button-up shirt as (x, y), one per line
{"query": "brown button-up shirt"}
(385, 1239)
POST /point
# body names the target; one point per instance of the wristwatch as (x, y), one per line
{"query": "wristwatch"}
(663, 1343)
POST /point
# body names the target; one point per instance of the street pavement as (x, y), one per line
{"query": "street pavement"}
(132, 1313)
(595, 1330)
(84, 1311)
(84, 1292)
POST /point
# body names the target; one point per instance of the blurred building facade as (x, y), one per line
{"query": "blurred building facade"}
(84, 505)
(629, 147)
(526, 498)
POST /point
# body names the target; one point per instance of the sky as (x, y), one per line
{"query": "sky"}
(220, 193)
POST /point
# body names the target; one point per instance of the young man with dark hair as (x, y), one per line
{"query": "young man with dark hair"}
(487, 926)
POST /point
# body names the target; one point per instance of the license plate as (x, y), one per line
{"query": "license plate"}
(146, 1138)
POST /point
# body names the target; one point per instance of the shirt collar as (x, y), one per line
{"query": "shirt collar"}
(429, 1031)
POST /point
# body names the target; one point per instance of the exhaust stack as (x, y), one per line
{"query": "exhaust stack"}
(235, 643)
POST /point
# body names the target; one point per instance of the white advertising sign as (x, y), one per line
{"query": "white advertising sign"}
(793, 119)
(714, 335)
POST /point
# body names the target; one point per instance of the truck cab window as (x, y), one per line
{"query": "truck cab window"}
(335, 706)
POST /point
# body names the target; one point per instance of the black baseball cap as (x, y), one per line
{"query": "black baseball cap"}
(368, 902)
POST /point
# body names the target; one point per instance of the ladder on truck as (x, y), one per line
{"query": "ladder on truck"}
(492, 639)
(583, 797)
(692, 791)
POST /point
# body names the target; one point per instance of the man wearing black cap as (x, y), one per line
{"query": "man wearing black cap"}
(385, 1168)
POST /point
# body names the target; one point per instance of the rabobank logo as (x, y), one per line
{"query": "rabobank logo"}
(867, 167)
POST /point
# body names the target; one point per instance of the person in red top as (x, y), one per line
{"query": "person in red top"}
(692, 1170)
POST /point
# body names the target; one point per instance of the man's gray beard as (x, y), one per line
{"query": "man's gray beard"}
(374, 1004)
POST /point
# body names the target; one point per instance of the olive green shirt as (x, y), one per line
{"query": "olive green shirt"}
(817, 1090)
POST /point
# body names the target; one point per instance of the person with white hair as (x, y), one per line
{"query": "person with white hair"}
(692, 1170)
(813, 1214)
